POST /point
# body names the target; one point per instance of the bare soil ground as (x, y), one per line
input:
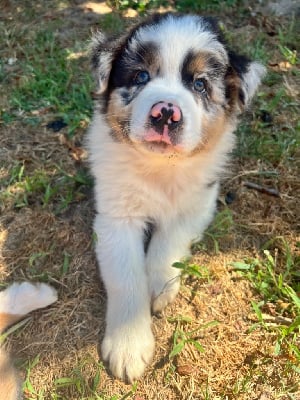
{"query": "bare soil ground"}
(41, 241)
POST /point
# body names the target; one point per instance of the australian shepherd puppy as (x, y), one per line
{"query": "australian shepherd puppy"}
(170, 95)
(15, 303)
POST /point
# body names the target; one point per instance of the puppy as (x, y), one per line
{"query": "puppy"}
(15, 303)
(170, 95)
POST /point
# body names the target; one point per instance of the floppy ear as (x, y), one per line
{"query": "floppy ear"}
(242, 80)
(102, 53)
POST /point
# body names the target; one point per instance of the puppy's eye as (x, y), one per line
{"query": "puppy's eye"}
(200, 85)
(141, 77)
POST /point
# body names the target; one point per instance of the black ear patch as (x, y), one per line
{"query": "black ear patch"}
(238, 62)
(242, 79)
(102, 55)
(238, 66)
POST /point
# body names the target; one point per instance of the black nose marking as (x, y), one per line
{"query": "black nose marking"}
(162, 120)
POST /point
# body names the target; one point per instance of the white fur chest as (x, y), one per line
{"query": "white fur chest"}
(130, 185)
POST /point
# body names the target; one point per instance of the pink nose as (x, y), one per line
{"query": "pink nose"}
(165, 113)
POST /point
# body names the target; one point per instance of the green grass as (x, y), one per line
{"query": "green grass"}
(191, 270)
(204, 5)
(112, 23)
(180, 5)
(273, 144)
(276, 140)
(74, 384)
(49, 77)
(54, 189)
(276, 278)
(183, 337)
(141, 6)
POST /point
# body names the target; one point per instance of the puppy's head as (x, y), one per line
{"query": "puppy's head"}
(171, 85)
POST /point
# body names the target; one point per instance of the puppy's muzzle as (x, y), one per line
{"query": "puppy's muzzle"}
(165, 119)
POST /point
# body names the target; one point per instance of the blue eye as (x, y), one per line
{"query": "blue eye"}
(141, 77)
(200, 85)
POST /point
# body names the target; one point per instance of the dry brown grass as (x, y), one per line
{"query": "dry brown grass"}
(71, 329)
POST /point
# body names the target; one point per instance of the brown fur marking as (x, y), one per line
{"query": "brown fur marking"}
(233, 88)
(213, 131)
(9, 379)
(7, 320)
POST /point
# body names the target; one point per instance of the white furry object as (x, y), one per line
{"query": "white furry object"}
(22, 298)
(158, 145)
(15, 302)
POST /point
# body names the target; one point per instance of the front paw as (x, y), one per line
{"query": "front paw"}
(163, 293)
(128, 351)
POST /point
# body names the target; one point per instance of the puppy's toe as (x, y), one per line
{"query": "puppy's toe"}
(160, 299)
(128, 355)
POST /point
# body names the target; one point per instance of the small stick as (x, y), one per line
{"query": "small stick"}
(262, 189)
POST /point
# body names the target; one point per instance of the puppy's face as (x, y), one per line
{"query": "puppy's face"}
(170, 85)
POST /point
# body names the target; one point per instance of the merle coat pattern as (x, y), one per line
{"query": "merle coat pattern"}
(170, 96)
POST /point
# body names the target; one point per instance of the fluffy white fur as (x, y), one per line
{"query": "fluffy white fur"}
(22, 298)
(15, 302)
(176, 191)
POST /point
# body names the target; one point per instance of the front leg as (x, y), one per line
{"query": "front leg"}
(171, 242)
(128, 343)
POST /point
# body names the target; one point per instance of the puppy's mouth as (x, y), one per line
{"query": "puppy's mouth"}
(161, 142)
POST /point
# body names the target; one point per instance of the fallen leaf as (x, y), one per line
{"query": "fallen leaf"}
(281, 66)
(97, 8)
(185, 369)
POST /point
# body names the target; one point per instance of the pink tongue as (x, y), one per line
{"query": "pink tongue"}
(153, 136)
